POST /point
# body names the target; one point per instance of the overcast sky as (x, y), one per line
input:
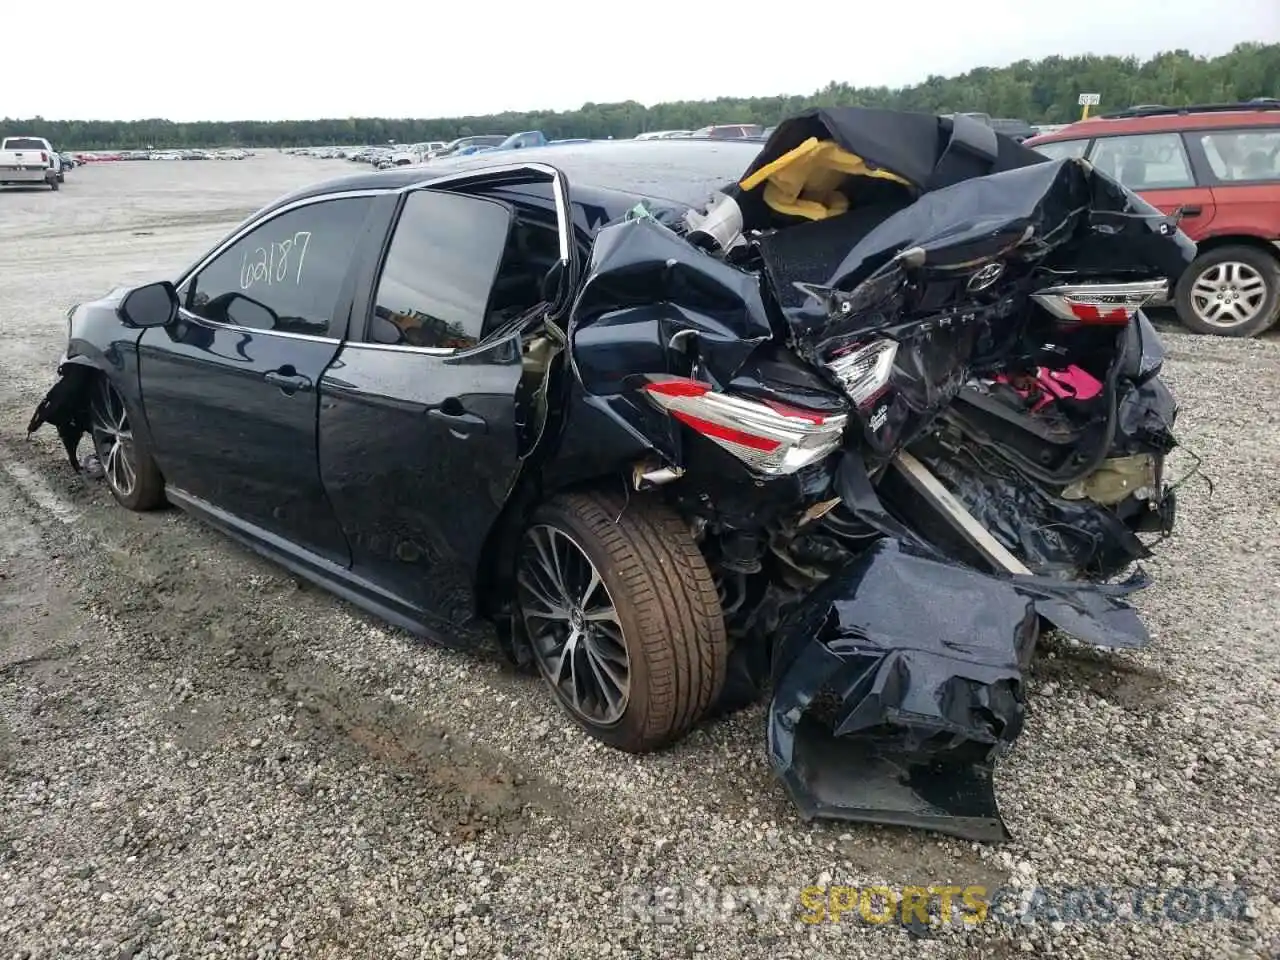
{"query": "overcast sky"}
(283, 59)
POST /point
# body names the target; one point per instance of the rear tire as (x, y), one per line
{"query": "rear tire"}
(1230, 292)
(633, 588)
(130, 472)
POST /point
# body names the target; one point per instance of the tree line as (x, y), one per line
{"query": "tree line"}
(1041, 91)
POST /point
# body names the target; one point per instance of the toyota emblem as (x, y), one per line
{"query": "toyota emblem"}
(985, 277)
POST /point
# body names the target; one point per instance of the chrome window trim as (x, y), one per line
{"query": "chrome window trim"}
(564, 229)
(564, 216)
(401, 348)
(256, 331)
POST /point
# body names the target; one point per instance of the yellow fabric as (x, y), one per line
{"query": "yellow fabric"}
(805, 182)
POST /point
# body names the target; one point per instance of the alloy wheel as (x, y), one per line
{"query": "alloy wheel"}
(573, 626)
(113, 438)
(1228, 294)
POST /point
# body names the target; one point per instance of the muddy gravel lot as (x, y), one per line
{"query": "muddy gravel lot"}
(202, 756)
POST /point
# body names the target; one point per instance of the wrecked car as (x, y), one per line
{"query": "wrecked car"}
(851, 415)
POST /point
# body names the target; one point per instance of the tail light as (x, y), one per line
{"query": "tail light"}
(771, 438)
(1100, 303)
(864, 372)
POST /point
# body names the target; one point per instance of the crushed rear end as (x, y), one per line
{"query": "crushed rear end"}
(898, 381)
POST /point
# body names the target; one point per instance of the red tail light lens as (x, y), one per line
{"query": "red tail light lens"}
(1105, 304)
(44, 157)
(772, 438)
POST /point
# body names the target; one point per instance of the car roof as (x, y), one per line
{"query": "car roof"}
(680, 171)
(1165, 120)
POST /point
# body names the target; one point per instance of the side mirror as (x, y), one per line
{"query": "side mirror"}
(152, 305)
(246, 312)
(382, 330)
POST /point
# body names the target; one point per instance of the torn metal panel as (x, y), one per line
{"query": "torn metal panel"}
(1145, 417)
(895, 686)
(898, 683)
(1054, 535)
(930, 488)
(648, 295)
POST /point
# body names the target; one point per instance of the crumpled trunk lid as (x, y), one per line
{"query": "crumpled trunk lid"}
(898, 682)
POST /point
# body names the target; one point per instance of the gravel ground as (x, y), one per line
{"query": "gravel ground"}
(202, 756)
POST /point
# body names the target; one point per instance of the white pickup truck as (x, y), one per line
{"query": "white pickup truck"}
(27, 160)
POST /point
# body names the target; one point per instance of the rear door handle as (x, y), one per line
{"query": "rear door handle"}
(288, 380)
(460, 422)
(1191, 211)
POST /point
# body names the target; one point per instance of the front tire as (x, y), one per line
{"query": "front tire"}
(1230, 292)
(127, 466)
(623, 617)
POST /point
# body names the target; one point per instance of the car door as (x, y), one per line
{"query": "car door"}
(229, 390)
(1156, 166)
(1243, 166)
(418, 434)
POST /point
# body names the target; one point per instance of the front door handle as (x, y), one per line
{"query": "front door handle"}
(1192, 211)
(288, 380)
(461, 423)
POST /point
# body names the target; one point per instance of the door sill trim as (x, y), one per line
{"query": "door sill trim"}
(330, 576)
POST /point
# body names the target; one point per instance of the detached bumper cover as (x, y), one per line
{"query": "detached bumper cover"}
(898, 683)
(63, 408)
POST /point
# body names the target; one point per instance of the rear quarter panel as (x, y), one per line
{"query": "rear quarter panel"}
(1246, 209)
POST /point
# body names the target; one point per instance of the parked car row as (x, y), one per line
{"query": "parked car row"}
(403, 155)
(109, 156)
(718, 131)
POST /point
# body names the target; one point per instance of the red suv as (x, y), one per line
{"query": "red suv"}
(1220, 164)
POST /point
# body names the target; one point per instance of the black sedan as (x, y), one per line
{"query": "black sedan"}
(351, 383)
(851, 414)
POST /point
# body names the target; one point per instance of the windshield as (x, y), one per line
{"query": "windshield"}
(24, 143)
(1061, 149)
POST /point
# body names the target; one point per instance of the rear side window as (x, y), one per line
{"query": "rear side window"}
(1149, 161)
(436, 283)
(1243, 155)
(1062, 149)
(286, 275)
(24, 143)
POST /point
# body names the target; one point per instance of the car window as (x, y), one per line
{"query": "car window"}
(439, 273)
(1236, 155)
(1062, 149)
(24, 143)
(1151, 161)
(286, 275)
